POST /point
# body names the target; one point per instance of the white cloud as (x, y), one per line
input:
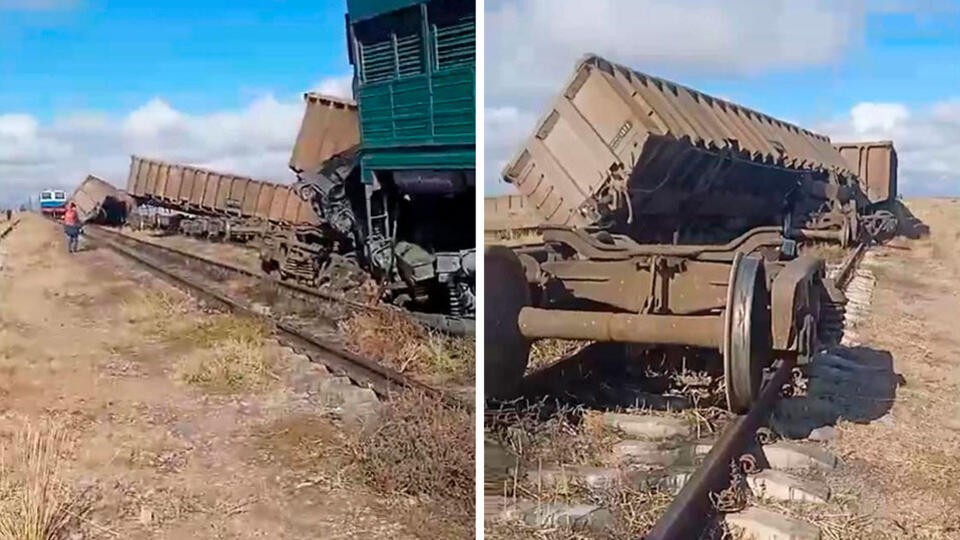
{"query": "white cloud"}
(22, 143)
(255, 140)
(504, 129)
(337, 86)
(927, 139)
(883, 117)
(532, 45)
(151, 120)
(16, 126)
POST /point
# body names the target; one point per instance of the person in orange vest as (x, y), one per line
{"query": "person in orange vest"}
(71, 226)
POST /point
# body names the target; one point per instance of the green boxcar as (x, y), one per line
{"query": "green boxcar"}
(415, 83)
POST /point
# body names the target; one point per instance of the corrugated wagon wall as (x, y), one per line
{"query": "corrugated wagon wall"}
(194, 190)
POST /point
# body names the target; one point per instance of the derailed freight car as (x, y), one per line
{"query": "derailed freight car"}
(669, 217)
(98, 201)
(330, 126)
(509, 220)
(508, 212)
(219, 204)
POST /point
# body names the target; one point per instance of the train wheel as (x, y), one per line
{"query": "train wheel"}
(747, 342)
(506, 351)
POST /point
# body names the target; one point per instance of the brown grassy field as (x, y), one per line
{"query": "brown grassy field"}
(130, 411)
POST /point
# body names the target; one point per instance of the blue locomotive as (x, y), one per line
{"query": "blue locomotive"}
(53, 202)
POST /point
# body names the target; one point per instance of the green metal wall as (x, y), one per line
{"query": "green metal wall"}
(415, 84)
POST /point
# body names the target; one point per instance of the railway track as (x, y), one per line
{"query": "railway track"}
(9, 229)
(737, 452)
(181, 269)
(443, 323)
(710, 475)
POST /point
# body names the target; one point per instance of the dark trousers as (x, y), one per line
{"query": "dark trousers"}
(73, 237)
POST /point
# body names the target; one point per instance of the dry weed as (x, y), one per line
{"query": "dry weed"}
(841, 519)
(232, 355)
(35, 503)
(224, 327)
(420, 447)
(544, 433)
(155, 313)
(544, 352)
(391, 337)
(418, 457)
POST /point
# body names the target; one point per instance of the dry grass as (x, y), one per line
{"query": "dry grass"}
(231, 356)
(312, 448)
(539, 434)
(543, 435)
(418, 456)
(155, 313)
(423, 448)
(544, 352)
(35, 502)
(841, 518)
(829, 252)
(569, 437)
(391, 337)
(944, 234)
(223, 327)
(635, 512)
(902, 474)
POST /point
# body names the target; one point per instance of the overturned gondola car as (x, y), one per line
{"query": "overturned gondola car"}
(216, 205)
(98, 201)
(670, 217)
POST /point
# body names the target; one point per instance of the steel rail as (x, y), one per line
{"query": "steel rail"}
(9, 229)
(692, 510)
(441, 323)
(846, 269)
(362, 371)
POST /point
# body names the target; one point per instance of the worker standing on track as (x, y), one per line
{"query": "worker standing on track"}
(71, 226)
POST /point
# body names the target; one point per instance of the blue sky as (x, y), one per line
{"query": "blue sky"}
(847, 68)
(86, 83)
(910, 58)
(200, 55)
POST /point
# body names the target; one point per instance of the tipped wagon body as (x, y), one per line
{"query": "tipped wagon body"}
(98, 201)
(671, 218)
(330, 126)
(204, 192)
(659, 161)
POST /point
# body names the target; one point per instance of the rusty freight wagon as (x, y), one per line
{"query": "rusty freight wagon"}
(100, 202)
(670, 218)
(330, 126)
(220, 201)
(508, 219)
(876, 166)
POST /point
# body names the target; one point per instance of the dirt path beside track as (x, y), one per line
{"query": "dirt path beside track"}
(170, 422)
(902, 470)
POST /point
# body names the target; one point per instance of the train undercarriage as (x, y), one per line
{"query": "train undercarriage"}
(412, 232)
(752, 299)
